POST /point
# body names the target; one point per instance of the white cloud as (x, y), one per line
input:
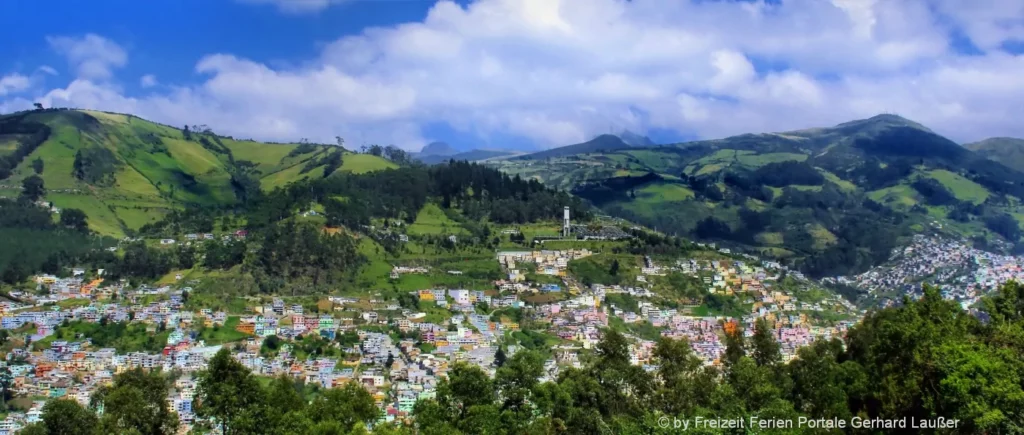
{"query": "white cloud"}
(13, 83)
(46, 69)
(148, 81)
(562, 71)
(92, 56)
(296, 6)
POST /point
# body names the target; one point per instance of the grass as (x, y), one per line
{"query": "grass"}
(843, 184)
(758, 160)
(899, 197)
(962, 188)
(664, 192)
(124, 337)
(100, 217)
(292, 174)
(363, 163)
(432, 220)
(225, 333)
(822, 236)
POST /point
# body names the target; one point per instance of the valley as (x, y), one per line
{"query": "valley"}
(325, 272)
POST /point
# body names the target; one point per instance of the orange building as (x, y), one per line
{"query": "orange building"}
(246, 328)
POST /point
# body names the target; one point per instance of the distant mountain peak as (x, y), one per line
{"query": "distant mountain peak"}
(438, 149)
(883, 120)
(636, 140)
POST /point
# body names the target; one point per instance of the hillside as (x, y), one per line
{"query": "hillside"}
(1006, 150)
(602, 143)
(125, 172)
(831, 200)
(471, 156)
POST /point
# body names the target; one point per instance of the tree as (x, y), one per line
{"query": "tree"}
(499, 357)
(228, 392)
(75, 219)
(390, 361)
(516, 380)
(766, 350)
(67, 417)
(346, 405)
(137, 402)
(39, 106)
(32, 188)
(614, 270)
(734, 347)
(37, 166)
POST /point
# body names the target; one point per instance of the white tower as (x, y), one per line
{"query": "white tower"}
(565, 225)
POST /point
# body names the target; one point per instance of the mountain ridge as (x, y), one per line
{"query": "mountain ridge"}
(803, 196)
(125, 172)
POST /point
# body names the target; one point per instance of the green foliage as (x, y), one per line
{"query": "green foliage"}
(136, 403)
(74, 219)
(231, 395)
(96, 165)
(67, 417)
(122, 336)
(32, 188)
(33, 243)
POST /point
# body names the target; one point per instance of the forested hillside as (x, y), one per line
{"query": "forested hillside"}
(831, 201)
(289, 249)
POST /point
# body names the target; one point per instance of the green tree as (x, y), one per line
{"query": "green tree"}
(227, 392)
(37, 166)
(75, 219)
(499, 357)
(515, 382)
(67, 417)
(137, 402)
(345, 406)
(734, 348)
(766, 350)
(32, 188)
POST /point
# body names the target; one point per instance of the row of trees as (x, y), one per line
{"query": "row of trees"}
(33, 242)
(32, 135)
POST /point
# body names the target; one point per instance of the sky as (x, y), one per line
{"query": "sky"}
(522, 74)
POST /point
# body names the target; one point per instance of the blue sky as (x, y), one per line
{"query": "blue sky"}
(520, 74)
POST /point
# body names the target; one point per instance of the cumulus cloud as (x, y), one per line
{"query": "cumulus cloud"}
(13, 83)
(562, 71)
(92, 56)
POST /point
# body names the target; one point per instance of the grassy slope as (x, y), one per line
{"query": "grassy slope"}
(150, 182)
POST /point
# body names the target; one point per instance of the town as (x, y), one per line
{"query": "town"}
(962, 273)
(398, 350)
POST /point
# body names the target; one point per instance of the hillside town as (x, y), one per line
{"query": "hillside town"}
(398, 353)
(961, 272)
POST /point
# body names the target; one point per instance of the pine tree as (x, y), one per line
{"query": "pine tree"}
(499, 357)
(766, 350)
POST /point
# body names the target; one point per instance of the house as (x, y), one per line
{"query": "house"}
(166, 241)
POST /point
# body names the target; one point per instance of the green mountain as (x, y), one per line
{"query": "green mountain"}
(831, 200)
(1006, 150)
(125, 172)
